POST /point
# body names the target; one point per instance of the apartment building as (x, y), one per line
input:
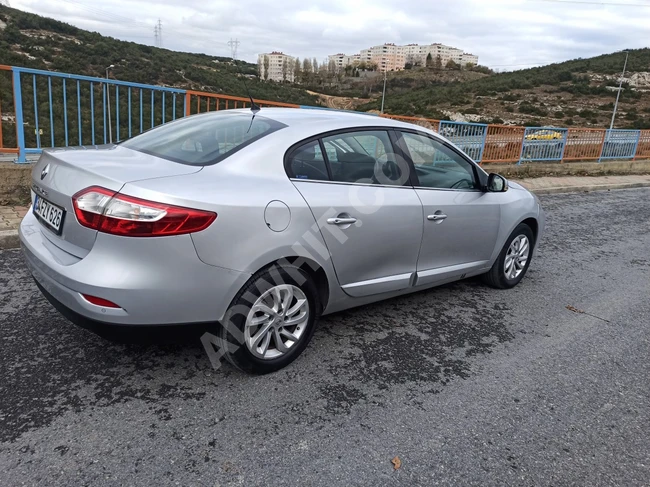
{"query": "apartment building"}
(281, 66)
(343, 60)
(390, 57)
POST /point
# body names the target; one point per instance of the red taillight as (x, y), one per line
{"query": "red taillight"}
(104, 303)
(110, 212)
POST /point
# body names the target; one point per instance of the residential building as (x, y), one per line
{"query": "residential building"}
(390, 57)
(280, 65)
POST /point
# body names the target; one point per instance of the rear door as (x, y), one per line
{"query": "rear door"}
(367, 212)
(461, 222)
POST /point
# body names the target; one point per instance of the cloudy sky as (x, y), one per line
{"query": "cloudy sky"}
(505, 34)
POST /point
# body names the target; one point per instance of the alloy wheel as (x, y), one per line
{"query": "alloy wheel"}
(517, 257)
(276, 321)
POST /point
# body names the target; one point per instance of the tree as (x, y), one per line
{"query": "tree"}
(438, 63)
(331, 67)
(429, 62)
(260, 67)
(297, 71)
(285, 69)
(266, 68)
(452, 65)
(306, 70)
(314, 64)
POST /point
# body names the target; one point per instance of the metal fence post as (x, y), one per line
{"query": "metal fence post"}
(18, 106)
(523, 143)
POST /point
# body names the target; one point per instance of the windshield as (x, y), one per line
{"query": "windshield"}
(203, 139)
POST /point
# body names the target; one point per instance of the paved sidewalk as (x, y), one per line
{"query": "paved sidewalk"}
(10, 216)
(576, 184)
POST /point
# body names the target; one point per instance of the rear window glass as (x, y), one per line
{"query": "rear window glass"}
(203, 139)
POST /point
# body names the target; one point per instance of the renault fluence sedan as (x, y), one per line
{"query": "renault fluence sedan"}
(260, 222)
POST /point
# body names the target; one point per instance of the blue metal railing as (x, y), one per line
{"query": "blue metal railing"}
(99, 104)
(543, 144)
(620, 144)
(54, 109)
(470, 137)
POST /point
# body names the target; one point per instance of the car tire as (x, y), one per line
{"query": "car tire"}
(509, 269)
(239, 330)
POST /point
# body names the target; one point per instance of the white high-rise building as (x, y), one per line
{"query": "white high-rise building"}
(281, 66)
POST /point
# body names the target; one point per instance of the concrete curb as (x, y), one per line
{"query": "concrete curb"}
(9, 239)
(588, 189)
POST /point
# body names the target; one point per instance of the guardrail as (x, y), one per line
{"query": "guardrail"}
(41, 109)
(8, 143)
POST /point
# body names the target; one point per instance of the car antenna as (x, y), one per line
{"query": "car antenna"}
(254, 106)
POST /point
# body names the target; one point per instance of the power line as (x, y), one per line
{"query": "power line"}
(108, 16)
(586, 2)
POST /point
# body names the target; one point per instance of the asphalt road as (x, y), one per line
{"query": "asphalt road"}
(466, 384)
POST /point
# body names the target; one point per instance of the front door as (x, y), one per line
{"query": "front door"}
(368, 215)
(461, 222)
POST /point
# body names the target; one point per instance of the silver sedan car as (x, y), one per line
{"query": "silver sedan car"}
(257, 223)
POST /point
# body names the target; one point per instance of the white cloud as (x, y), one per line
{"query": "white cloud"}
(503, 33)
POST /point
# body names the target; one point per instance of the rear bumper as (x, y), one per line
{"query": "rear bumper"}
(156, 281)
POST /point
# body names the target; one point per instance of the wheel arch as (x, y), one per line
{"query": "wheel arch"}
(310, 267)
(534, 226)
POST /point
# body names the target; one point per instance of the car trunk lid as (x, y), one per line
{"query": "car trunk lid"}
(60, 173)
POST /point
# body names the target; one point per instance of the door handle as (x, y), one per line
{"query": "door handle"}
(341, 221)
(437, 217)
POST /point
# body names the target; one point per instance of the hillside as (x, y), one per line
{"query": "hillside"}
(579, 92)
(38, 42)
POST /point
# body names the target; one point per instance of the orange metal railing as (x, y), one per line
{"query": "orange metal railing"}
(429, 123)
(584, 144)
(5, 71)
(503, 143)
(643, 149)
(199, 102)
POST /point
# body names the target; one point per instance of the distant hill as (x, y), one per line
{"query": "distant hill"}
(39, 42)
(579, 92)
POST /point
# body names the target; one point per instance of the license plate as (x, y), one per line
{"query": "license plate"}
(49, 214)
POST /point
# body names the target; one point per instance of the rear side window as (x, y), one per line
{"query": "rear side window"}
(203, 139)
(365, 156)
(307, 162)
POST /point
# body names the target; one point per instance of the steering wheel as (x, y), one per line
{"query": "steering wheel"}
(459, 184)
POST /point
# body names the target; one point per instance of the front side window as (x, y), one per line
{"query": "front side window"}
(366, 157)
(203, 139)
(438, 166)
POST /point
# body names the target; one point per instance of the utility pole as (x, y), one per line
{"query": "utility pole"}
(108, 98)
(383, 94)
(233, 48)
(618, 93)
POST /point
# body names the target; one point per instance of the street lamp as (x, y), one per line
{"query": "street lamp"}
(108, 98)
(383, 93)
(618, 93)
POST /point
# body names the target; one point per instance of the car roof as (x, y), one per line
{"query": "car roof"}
(292, 117)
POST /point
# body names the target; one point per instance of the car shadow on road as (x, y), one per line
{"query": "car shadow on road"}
(419, 342)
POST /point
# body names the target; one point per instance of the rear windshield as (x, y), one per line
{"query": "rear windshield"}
(203, 139)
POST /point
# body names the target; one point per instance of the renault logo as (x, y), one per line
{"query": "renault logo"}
(45, 171)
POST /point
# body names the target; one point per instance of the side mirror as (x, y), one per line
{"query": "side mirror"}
(497, 183)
